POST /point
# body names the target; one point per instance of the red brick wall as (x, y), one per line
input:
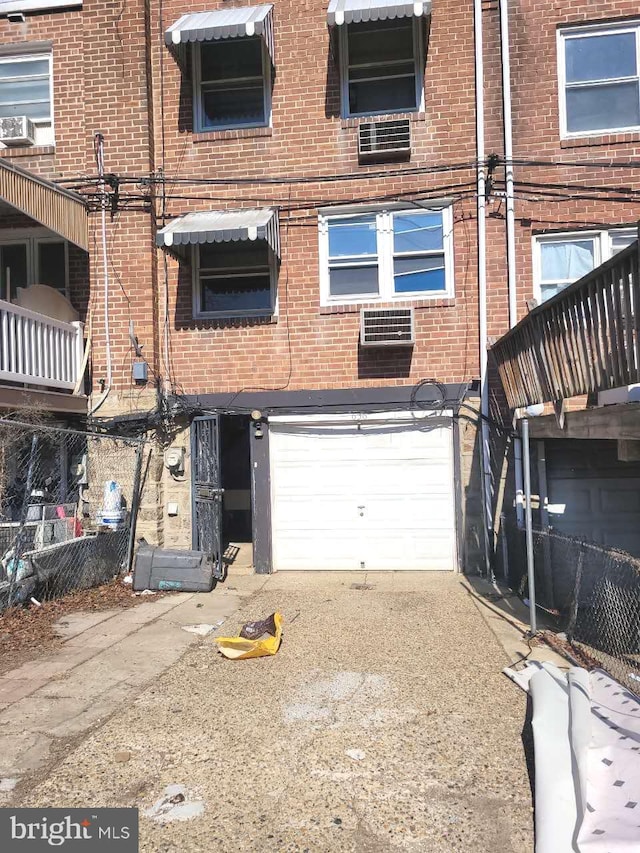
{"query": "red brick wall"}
(100, 84)
(100, 64)
(536, 120)
(308, 347)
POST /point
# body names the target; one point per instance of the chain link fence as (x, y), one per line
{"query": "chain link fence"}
(585, 592)
(68, 502)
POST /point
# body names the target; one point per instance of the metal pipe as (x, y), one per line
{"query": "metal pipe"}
(529, 525)
(135, 506)
(19, 543)
(510, 219)
(99, 148)
(517, 456)
(485, 459)
(505, 548)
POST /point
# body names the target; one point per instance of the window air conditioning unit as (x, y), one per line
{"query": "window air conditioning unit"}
(379, 140)
(17, 130)
(387, 327)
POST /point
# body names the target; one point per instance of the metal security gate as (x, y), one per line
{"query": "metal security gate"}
(206, 516)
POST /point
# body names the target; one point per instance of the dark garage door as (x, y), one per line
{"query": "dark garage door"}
(600, 495)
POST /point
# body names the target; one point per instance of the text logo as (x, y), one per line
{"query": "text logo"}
(70, 830)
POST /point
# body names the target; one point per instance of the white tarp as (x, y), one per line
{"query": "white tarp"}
(586, 729)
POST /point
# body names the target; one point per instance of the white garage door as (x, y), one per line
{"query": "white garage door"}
(375, 494)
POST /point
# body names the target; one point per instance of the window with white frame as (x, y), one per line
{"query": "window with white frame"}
(599, 72)
(369, 256)
(232, 84)
(561, 259)
(28, 259)
(234, 279)
(26, 89)
(381, 66)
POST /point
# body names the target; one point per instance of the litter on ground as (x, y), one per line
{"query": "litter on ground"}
(356, 754)
(175, 804)
(256, 639)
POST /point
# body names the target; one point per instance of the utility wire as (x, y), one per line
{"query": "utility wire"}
(282, 180)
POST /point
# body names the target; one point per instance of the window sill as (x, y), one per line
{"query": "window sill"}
(239, 321)
(28, 151)
(353, 308)
(347, 123)
(601, 139)
(232, 133)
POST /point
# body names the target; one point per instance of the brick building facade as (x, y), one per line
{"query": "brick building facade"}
(265, 113)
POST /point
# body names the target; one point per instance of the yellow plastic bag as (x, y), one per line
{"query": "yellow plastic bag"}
(256, 639)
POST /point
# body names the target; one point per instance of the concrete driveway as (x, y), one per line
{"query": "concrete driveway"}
(383, 724)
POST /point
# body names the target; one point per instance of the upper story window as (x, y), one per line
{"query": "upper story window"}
(26, 89)
(9, 6)
(381, 66)
(232, 84)
(234, 258)
(369, 256)
(232, 56)
(599, 73)
(234, 279)
(561, 259)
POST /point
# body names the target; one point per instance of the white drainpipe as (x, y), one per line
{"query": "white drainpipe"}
(508, 156)
(511, 224)
(482, 280)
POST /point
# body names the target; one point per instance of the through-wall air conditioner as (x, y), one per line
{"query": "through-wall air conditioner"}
(379, 140)
(17, 130)
(387, 327)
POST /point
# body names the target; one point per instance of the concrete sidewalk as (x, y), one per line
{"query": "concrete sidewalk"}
(105, 661)
(383, 724)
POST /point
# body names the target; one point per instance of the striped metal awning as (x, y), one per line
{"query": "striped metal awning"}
(360, 11)
(223, 24)
(58, 209)
(221, 226)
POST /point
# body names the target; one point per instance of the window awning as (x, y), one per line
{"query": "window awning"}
(360, 11)
(221, 226)
(223, 24)
(58, 209)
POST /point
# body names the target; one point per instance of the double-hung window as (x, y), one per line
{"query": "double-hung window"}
(561, 259)
(232, 84)
(419, 255)
(388, 255)
(26, 90)
(599, 74)
(353, 256)
(234, 279)
(381, 66)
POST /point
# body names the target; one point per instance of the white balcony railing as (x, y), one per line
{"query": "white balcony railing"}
(39, 350)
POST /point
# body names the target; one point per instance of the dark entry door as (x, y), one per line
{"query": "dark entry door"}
(207, 493)
(592, 494)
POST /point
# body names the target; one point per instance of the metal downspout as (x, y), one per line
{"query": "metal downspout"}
(482, 282)
(505, 54)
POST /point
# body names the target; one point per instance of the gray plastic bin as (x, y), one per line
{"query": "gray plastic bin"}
(160, 568)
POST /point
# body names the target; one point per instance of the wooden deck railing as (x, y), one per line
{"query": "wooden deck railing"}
(583, 340)
(39, 350)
